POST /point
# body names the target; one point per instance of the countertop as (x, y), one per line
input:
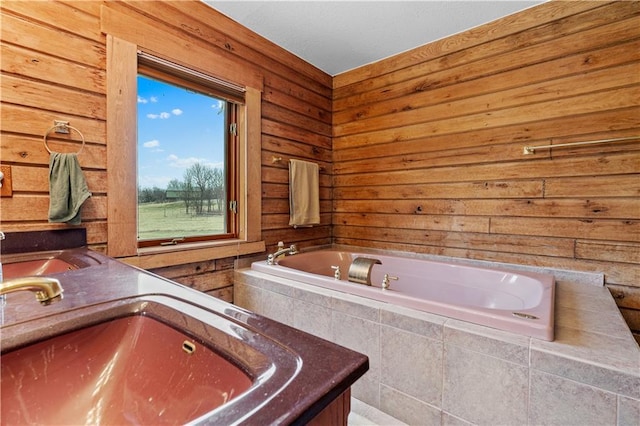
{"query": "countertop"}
(324, 370)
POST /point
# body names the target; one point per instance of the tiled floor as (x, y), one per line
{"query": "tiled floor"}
(366, 415)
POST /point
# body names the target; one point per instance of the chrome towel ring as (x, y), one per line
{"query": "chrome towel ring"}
(62, 127)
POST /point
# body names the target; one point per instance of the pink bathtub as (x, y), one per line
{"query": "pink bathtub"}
(518, 302)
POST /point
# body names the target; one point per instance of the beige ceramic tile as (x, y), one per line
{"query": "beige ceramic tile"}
(557, 401)
(356, 306)
(482, 389)
(411, 364)
(276, 287)
(408, 409)
(609, 324)
(277, 307)
(365, 415)
(425, 324)
(316, 297)
(312, 318)
(628, 411)
(247, 297)
(595, 359)
(496, 343)
(585, 297)
(450, 420)
(359, 335)
(367, 389)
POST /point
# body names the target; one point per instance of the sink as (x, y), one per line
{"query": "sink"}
(35, 267)
(44, 263)
(128, 347)
(140, 363)
(132, 369)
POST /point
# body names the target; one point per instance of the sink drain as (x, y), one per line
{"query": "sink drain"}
(188, 347)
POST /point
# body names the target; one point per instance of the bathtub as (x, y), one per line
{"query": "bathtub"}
(513, 301)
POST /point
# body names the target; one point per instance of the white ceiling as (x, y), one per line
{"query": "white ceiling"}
(337, 36)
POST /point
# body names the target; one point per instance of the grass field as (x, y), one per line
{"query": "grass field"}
(169, 220)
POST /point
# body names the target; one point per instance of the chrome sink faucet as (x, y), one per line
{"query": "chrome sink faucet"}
(46, 289)
(271, 259)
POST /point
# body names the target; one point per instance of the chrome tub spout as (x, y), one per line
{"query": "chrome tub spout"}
(46, 289)
(271, 259)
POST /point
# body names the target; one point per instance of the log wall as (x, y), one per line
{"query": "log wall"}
(419, 152)
(53, 64)
(428, 145)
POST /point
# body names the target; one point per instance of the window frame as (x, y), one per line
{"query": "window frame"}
(122, 68)
(169, 75)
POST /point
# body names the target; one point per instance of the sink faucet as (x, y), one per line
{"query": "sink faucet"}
(271, 259)
(46, 289)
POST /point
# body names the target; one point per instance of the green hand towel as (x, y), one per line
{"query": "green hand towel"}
(67, 188)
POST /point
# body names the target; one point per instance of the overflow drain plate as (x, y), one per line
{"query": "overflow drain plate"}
(524, 316)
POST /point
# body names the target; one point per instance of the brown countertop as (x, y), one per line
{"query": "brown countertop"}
(314, 372)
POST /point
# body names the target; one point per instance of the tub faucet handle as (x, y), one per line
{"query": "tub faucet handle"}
(385, 281)
(336, 273)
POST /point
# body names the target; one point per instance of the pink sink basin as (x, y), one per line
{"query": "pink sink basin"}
(35, 267)
(46, 262)
(127, 370)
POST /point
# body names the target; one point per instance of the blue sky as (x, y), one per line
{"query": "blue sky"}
(176, 128)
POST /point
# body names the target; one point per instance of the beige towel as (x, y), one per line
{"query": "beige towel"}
(304, 193)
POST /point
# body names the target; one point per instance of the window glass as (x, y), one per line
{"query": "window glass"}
(185, 178)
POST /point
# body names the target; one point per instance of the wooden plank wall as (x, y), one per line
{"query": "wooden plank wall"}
(428, 145)
(53, 64)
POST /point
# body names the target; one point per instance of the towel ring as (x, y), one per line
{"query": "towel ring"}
(63, 128)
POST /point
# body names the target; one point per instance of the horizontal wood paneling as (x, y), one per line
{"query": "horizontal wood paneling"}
(428, 144)
(54, 68)
(420, 152)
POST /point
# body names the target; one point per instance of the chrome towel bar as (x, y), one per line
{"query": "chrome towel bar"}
(532, 149)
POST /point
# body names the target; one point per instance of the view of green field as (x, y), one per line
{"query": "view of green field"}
(169, 220)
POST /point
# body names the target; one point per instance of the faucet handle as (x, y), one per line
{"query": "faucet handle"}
(337, 275)
(385, 281)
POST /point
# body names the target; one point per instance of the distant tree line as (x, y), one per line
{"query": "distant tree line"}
(202, 190)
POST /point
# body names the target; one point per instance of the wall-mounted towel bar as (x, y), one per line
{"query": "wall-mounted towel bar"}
(277, 160)
(62, 127)
(532, 149)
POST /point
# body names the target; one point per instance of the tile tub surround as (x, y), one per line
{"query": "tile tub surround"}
(429, 369)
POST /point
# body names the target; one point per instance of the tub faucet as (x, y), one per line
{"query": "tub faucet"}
(360, 270)
(46, 289)
(271, 259)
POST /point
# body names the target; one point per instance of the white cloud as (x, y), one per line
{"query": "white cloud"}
(151, 144)
(153, 99)
(183, 163)
(176, 111)
(218, 106)
(162, 116)
(146, 181)
(142, 100)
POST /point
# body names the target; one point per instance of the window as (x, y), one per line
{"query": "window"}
(187, 153)
(124, 64)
